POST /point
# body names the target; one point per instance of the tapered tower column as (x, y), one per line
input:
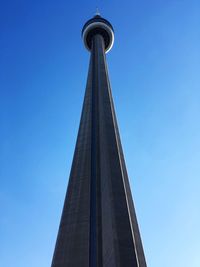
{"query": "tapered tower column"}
(98, 225)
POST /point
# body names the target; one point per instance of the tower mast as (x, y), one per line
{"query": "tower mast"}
(98, 226)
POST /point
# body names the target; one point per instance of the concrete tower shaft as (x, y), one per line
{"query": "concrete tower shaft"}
(98, 226)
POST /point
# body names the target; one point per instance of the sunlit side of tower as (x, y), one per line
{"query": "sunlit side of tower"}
(98, 226)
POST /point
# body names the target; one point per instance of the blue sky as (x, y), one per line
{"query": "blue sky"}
(154, 70)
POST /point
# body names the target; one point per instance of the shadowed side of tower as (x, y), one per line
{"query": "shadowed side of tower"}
(98, 225)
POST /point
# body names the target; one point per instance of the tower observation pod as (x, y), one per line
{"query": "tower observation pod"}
(101, 26)
(98, 226)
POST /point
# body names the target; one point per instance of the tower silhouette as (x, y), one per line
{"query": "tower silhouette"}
(98, 226)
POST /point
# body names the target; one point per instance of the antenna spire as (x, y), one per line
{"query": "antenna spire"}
(97, 12)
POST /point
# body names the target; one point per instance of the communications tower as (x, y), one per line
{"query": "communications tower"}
(98, 226)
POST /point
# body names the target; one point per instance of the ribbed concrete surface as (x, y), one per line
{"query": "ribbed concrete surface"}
(98, 225)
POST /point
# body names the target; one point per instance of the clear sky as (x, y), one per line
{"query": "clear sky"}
(154, 70)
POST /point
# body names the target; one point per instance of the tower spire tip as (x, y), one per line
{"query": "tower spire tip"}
(97, 12)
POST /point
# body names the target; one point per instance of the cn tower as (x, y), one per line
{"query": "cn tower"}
(98, 226)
